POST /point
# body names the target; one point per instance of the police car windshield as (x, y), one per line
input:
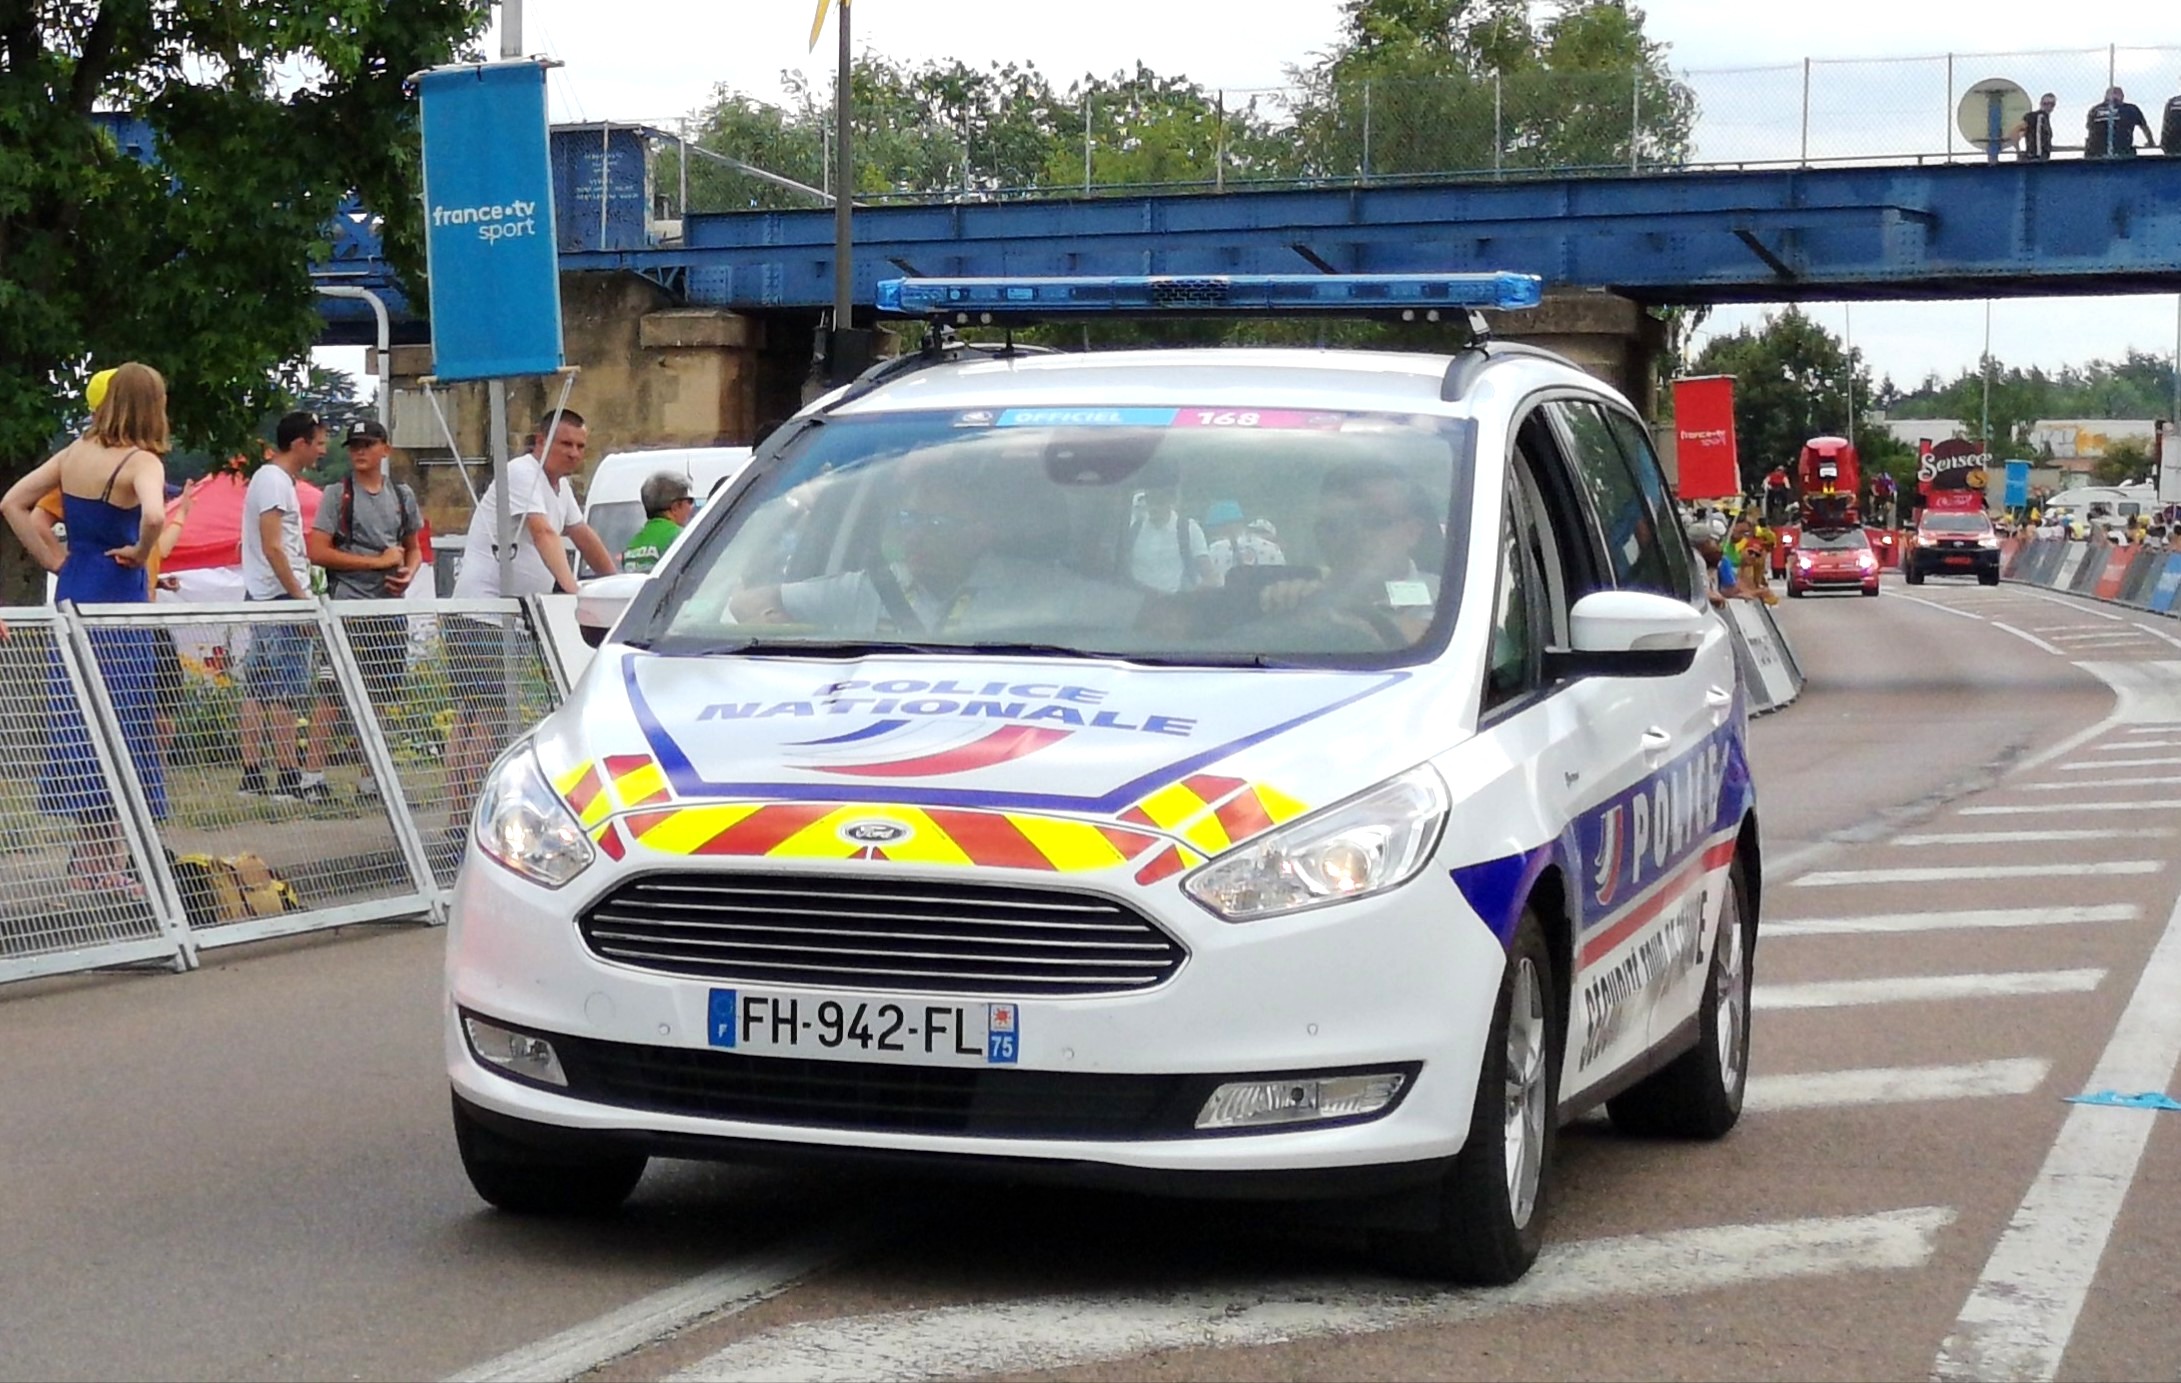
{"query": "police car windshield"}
(1210, 535)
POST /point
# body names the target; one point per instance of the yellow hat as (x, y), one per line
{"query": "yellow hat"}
(94, 393)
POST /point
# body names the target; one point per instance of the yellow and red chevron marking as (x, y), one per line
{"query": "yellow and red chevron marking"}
(593, 791)
(934, 835)
(1214, 813)
(585, 793)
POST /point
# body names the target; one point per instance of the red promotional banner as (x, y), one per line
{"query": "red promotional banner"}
(1705, 463)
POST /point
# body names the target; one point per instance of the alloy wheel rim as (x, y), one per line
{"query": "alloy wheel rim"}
(1731, 995)
(1525, 1093)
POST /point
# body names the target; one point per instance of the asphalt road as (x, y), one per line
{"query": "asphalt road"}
(1970, 821)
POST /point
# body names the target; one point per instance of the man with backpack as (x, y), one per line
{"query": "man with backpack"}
(367, 536)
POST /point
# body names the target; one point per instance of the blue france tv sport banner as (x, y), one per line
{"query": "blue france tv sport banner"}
(488, 222)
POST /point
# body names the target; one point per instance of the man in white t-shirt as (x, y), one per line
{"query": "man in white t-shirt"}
(1166, 548)
(276, 671)
(545, 509)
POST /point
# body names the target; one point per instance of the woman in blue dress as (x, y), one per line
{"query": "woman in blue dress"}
(113, 494)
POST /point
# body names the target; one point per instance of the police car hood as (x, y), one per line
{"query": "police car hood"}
(1108, 741)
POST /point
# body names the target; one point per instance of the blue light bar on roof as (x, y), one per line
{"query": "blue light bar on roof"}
(1419, 295)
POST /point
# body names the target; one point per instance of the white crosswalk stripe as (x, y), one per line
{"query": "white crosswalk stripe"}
(1895, 1085)
(2162, 782)
(1925, 838)
(2102, 765)
(1962, 873)
(1888, 922)
(2048, 808)
(1924, 988)
(2126, 746)
(1040, 1333)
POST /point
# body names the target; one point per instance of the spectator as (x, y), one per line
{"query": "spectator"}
(2111, 127)
(1717, 585)
(667, 507)
(113, 484)
(2169, 129)
(368, 538)
(1166, 550)
(2032, 134)
(1234, 543)
(276, 671)
(544, 506)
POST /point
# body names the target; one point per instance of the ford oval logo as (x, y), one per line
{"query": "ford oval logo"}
(875, 832)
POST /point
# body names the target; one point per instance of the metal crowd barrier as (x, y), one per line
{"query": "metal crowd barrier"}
(128, 829)
(2136, 575)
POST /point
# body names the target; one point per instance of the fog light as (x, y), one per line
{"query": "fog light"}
(516, 1053)
(1259, 1103)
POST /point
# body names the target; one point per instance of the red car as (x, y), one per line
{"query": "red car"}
(1835, 559)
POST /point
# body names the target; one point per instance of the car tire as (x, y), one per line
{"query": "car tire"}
(1914, 576)
(1794, 593)
(1870, 590)
(528, 1181)
(1490, 1220)
(1699, 1094)
(1987, 578)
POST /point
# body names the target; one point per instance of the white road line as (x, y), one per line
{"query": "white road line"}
(2048, 808)
(2101, 783)
(2071, 605)
(1026, 1336)
(2025, 837)
(2160, 634)
(2018, 1320)
(2125, 746)
(723, 1291)
(2028, 637)
(2100, 765)
(1895, 1085)
(1951, 610)
(1885, 922)
(2102, 636)
(1957, 873)
(1924, 988)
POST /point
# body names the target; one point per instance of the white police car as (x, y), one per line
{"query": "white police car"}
(951, 793)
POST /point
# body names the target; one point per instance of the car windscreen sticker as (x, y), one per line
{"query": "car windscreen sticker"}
(1241, 419)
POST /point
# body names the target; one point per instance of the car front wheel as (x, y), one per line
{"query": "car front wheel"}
(530, 1181)
(1490, 1219)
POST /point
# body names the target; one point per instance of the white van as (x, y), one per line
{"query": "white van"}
(612, 505)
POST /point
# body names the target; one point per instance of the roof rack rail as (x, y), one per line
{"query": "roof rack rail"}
(1462, 372)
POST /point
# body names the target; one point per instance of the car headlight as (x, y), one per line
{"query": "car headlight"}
(522, 823)
(1988, 540)
(1365, 845)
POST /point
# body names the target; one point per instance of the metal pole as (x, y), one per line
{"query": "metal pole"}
(1948, 143)
(1498, 115)
(1086, 143)
(844, 279)
(681, 141)
(1219, 141)
(605, 159)
(1635, 121)
(1806, 111)
(511, 28)
(1847, 342)
(385, 338)
(2112, 55)
(1984, 428)
(503, 515)
(1366, 169)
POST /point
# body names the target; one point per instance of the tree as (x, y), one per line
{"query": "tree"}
(261, 118)
(1439, 86)
(1791, 384)
(2125, 459)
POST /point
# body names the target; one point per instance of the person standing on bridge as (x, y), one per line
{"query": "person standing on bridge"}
(2111, 127)
(2169, 128)
(2032, 134)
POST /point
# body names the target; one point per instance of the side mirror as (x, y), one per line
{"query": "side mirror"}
(601, 601)
(1630, 634)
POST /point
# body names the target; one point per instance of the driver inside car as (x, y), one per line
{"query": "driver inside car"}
(1371, 520)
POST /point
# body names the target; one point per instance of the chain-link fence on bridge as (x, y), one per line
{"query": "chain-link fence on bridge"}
(1175, 136)
(193, 776)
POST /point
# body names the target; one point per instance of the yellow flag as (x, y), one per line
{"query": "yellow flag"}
(817, 23)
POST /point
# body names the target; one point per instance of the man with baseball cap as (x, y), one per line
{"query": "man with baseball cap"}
(367, 536)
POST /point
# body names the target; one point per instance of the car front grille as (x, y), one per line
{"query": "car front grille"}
(895, 934)
(867, 1096)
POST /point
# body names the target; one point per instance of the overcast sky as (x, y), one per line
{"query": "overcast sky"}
(656, 60)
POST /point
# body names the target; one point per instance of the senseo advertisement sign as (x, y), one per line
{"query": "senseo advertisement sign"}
(1953, 474)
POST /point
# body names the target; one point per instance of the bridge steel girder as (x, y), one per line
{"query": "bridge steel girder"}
(1941, 231)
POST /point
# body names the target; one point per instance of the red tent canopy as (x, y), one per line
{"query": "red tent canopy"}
(212, 537)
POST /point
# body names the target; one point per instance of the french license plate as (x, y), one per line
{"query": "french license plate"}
(910, 1032)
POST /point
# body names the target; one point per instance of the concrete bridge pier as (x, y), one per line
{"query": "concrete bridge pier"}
(1611, 336)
